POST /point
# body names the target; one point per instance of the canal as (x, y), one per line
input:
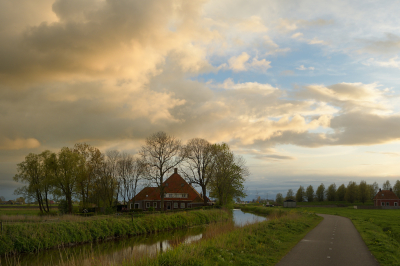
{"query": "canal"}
(117, 251)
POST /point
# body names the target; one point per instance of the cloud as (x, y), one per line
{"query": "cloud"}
(391, 154)
(389, 45)
(291, 25)
(18, 143)
(315, 40)
(287, 73)
(349, 96)
(274, 157)
(239, 63)
(253, 24)
(302, 67)
(393, 63)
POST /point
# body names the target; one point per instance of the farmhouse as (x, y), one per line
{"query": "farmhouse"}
(386, 198)
(178, 195)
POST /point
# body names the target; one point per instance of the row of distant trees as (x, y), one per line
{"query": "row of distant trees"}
(350, 193)
(86, 174)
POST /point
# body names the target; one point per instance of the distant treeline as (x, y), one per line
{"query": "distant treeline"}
(85, 174)
(353, 192)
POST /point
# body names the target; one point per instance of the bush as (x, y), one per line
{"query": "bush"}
(63, 206)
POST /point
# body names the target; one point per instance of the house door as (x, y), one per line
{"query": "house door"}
(168, 205)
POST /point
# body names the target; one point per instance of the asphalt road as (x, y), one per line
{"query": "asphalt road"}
(335, 241)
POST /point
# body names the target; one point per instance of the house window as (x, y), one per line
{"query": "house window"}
(387, 203)
(136, 205)
(175, 205)
(182, 205)
(395, 204)
(382, 204)
(147, 205)
(155, 204)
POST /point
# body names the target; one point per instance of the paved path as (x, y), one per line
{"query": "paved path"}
(335, 241)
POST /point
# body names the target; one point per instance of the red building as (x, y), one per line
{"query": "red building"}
(386, 198)
(178, 195)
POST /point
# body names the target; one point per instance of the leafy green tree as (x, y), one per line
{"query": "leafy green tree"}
(363, 191)
(230, 172)
(331, 192)
(88, 168)
(396, 188)
(351, 192)
(35, 172)
(341, 192)
(279, 198)
(310, 193)
(65, 168)
(387, 185)
(289, 195)
(320, 192)
(300, 194)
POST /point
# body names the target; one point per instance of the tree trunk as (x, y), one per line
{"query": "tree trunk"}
(204, 194)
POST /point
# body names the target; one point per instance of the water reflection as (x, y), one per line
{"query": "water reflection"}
(122, 249)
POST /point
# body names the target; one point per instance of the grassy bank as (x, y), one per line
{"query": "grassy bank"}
(33, 237)
(263, 243)
(342, 203)
(380, 230)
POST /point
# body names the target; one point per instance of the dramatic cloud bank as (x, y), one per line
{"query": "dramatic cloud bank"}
(266, 77)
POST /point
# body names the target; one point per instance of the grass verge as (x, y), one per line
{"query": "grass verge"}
(380, 230)
(263, 243)
(33, 237)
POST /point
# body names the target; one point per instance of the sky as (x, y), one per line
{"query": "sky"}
(306, 91)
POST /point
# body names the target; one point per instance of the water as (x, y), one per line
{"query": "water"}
(122, 249)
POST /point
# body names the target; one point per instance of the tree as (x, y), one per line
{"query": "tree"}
(310, 193)
(396, 188)
(36, 173)
(341, 192)
(363, 191)
(351, 192)
(289, 195)
(279, 198)
(198, 166)
(160, 154)
(320, 192)
(131, 171)
(373, 189)
(387, 185)
(331, 192)
(300, 194)
(65, 168)
(2, 198)
(230, 172)
(20, 200)
(91, 162)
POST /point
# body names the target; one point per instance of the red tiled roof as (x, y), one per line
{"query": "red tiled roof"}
(385, 194)
(174, 184)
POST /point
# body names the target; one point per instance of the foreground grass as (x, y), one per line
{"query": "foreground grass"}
(263, 243)
(33, 237)
(380, 230)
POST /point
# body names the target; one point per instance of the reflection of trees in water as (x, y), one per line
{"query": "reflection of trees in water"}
(111, 251)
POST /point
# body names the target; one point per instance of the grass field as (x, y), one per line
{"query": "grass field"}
(19, 211)
(367, 203)
(380, 230)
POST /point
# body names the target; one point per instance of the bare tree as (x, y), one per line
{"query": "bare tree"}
(198, 164)
(130, 171)
(112, 158)
(160, 154)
